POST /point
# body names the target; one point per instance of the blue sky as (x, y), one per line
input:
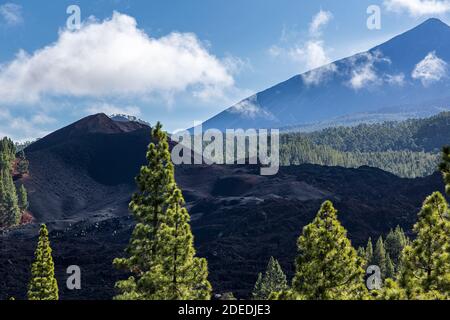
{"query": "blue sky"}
(176, 61)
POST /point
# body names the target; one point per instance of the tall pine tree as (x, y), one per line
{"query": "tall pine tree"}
(390, 268)
(395, 241)
(274, 280)
(369, 251)
(161, 254)
(327, 266)
(10, 214)
(445, 168)
(258, 290)
(23, 198)
(22, 163)
(379, 257)
(43, 285)
(425, 265)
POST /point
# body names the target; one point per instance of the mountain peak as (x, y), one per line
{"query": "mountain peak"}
(94, 124)
(412, 46)
(431, 25)
(127, 118)
(434, 22)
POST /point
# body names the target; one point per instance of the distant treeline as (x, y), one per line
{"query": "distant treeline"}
(408, 149)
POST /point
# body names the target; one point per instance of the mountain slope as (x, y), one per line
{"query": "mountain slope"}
(373, 86)
(85, 167)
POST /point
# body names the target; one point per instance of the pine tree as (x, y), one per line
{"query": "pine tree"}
(274, 280)
(161, 254)
(425, 265)
(390, 267)
(327, 266)
(43, 285)
(369, 252)
(258, 290)
(22, 164)
(362, 254)
(379, 257)
(445, 167)
(396, 240)
(10, 214)
(23, 198)
(391, 291)
(180, 275)
(227, 296)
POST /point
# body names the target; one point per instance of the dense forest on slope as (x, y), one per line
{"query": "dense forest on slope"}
(408, 149)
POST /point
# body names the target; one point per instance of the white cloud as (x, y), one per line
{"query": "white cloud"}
(363, 76)
(114, 58)
(11, 14)
(236, 65)
(249, 108)
(321, 19)
(363, 72)
(275, 51)
(315, 58)
(430, 69)
(317, 76)
(312, 54)
(110, 109)
(20, 128)
(418, 7)
(42, 119)
(396, 79)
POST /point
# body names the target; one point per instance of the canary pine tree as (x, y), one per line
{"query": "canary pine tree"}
(43, 284)
(379, 257)
(274, 280)
(369, 251)
(23, 198)
(425, 265)
(10, 214)
(258, 290)
(180, 276)
(327, 266)
(445, 168)
(390, 268)
(362, 254)
(161, 255)
(395, 241)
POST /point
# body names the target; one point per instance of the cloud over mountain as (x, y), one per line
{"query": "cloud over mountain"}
(363, 69)
(311, 53)
(430, 69)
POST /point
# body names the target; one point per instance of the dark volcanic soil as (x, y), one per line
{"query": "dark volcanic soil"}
(80, 186)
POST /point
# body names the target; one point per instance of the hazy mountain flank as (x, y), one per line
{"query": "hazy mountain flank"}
(405, 77)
